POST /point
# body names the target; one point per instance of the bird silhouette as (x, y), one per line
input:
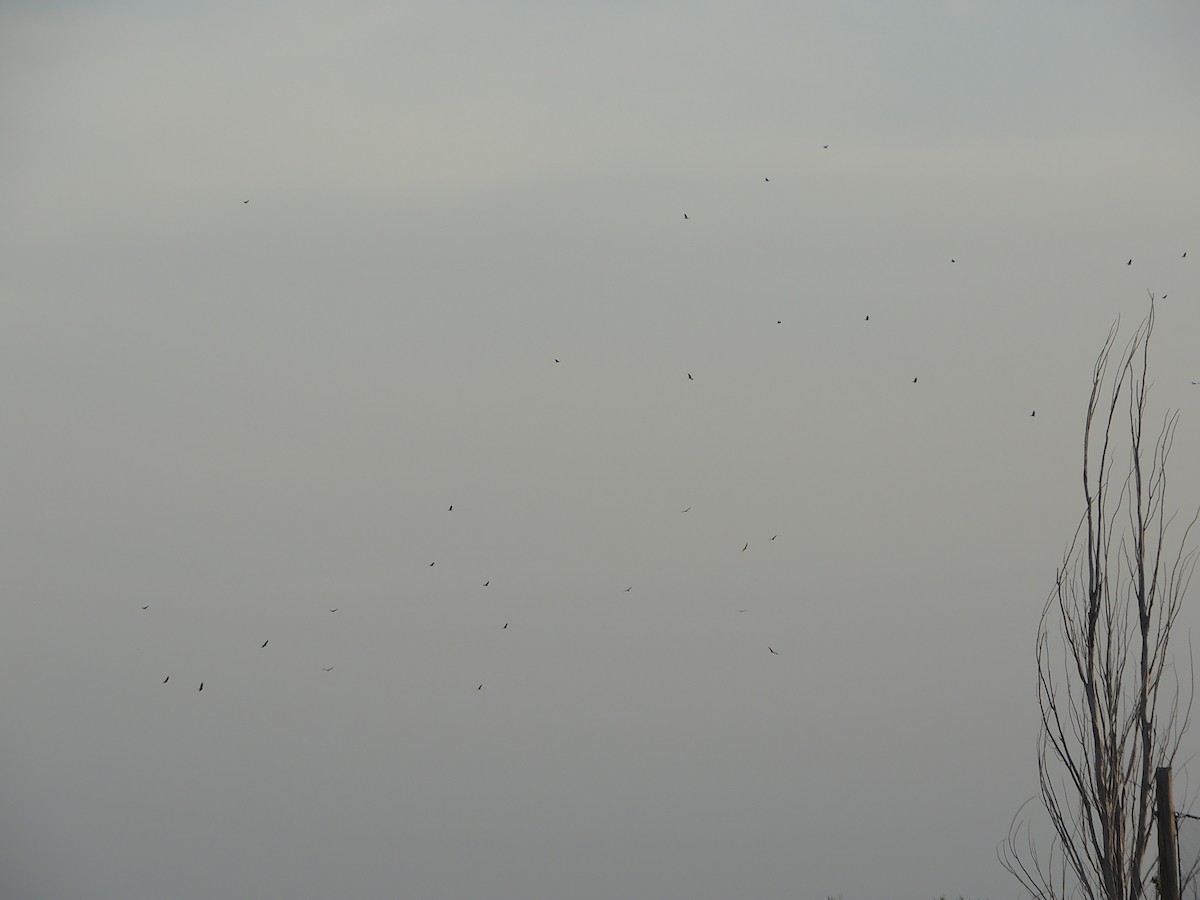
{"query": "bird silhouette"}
(867, 319)
(335, 610)
(628, 589)
(1130, 263)
(486, 583)
(145, 607)
(323, 669)
(774, 536)
(685, 215)
(480, 688)
(245, 201)
(201, 687)
(451, 509)
(953, 260)
(1184, 255)
(690, 378)
(558, 360)
(432, 563)
(505, 626)
(747, 545)
(914, 381)
(1032, 414)
(779, 322)
(743, 610)
(776, 652)
(265, 643)
(685, 510)
(165, 680)
(826, 146)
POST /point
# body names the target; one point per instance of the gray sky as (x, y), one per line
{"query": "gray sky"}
(245, 415)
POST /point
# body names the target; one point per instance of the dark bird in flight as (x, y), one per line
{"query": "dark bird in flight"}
(826, 146)
(779, 322)
(335, 610)
(505, 626)
(766, 179)
(323, 669)
(1196, 382)
(953, 260)
(747, 545)
(685, 510)
(451, 509)
(867, 319)
(486, 583)
(265, 643)
(1184, 255)
(145, 607)
(245, 201)
(480, 688)
(557, 360)
(774, 536)
(165, 680)
(201, 687)
(743, 610)
(776, 652)
(685, 215)
(914, 381)
(432, 563)
(1164, 296)
(628, 589)
(690, 378)
(1032, 414)
(1130, 263)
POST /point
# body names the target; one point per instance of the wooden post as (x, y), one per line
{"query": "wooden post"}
(1168, 847)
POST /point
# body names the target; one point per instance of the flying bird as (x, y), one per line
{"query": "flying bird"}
(451, 509)
(486, 583)
(480, 688)
(505, 626)
(685, 510)
(1032, 414)
(432, 563)
(335, 610)
(779, 322)
(867, 319)
(747, 545)
(628, 589)
(774, 536)
(1184, 255)
(165, 680)
(265, 643)
(826, 146)
(776, 652)
(1130, 263)
(685, 215)
(201, 687)
(953, 260)
(558, 360)
(914, 381)
(145, 607)
(323, 669)
(245, 201)
(690, 378)
(743, 610)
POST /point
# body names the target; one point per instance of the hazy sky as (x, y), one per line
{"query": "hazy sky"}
(464, 276)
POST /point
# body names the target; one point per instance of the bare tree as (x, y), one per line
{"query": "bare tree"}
(1111, 705)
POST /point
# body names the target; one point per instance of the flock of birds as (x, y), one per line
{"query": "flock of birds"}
(770, 649)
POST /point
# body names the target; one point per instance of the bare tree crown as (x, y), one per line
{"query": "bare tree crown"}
(1112, 707)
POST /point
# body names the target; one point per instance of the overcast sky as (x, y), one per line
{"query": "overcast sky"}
(484, 247)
